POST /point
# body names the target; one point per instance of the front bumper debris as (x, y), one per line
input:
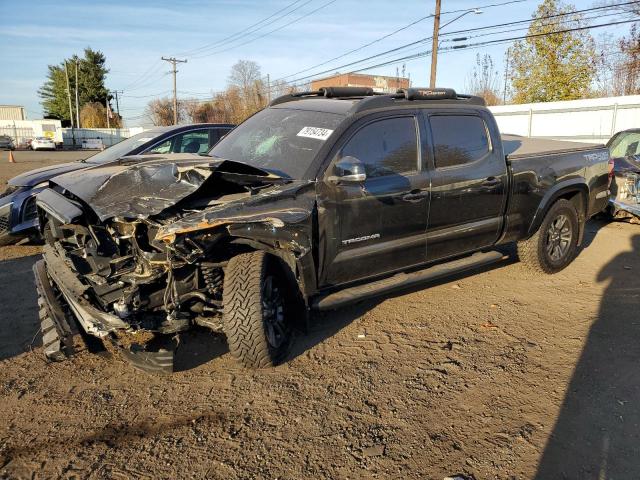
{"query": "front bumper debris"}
(154, 357)
(59, 331)
(627, 200)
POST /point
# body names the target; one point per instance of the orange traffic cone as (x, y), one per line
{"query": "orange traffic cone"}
(11, 159)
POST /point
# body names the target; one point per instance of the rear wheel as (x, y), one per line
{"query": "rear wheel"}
(555, 244)
(256, 312)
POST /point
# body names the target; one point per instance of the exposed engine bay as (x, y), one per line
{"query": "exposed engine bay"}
(625, 189)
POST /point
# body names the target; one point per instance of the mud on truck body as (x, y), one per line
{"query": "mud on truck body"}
(319, 200)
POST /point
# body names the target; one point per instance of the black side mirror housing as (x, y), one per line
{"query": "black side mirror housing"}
(349, 170)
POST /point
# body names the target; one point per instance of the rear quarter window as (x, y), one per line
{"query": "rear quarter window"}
(458, 139)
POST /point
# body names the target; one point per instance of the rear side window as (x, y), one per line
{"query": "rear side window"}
(386, 147)
(458, 139)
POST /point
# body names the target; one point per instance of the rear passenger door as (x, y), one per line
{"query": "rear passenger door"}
(469, 183)
(377, 226)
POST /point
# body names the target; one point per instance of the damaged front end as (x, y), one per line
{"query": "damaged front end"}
(139, 252)
(624, 202)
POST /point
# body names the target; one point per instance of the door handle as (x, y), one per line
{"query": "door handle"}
(414, 196)
(491, 182)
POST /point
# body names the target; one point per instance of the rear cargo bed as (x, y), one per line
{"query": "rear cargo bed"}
(516, 147)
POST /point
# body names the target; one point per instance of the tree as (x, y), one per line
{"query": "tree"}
(484, 80)
(550, 66)
(207, 112)
(94, 115)
(91, 78)
(246, 77)
(618, 64)
(627, 72)
(160, 111)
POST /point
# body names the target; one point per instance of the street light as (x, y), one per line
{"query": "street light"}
(436, 31)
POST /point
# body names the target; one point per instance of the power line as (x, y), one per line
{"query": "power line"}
(154, 66)
(422, 40)
(164, 92)
(245, 31)
(384, 37)
(269, 32)
(526, 27)
(476, 45)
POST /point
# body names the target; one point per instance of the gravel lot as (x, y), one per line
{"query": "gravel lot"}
(499, 374)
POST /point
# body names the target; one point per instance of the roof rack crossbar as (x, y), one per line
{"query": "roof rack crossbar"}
(414, 94)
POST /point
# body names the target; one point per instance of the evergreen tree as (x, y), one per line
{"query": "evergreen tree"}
(91, 78)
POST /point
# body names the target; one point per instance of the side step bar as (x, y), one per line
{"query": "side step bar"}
(403, 280)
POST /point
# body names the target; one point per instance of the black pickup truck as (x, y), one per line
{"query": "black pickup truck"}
(321, 199)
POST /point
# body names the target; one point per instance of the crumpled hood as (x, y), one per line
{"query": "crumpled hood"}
(133, 188)
(277, 205)
(34, 177)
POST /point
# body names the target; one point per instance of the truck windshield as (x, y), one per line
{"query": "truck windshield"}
(282, 141)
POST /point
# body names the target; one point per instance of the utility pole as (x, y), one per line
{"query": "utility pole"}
(77, 101)
(73, 133)
(268, 88)
(434, 48)
(506, 73)
(108, 110)
(117, 104)
(173, 61)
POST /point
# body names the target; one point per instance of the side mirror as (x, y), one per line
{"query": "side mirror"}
(349, 170)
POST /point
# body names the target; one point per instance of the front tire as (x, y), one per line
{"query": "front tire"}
(554, 246)
(255, 319)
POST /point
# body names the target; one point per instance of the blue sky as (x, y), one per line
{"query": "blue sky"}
(135, 34)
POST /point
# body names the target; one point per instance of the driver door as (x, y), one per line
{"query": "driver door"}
(378, 225)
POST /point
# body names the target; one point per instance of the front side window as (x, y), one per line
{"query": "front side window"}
(458, 139)
(188, 142)
(386, 147)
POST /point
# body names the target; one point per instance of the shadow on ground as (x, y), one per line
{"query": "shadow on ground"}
(597, 434)
(19, 325)
(198, 347)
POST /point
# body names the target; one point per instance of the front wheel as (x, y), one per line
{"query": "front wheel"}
(256, 312)
(555, 244)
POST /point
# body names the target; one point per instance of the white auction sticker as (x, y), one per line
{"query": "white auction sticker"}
(315, 132)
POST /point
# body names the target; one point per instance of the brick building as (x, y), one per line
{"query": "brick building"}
(379, 83)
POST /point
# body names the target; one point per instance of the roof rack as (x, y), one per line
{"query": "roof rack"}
(327, 92)
(373, 99)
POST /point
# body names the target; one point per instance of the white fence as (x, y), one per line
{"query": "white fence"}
(589, 120)
(108, 136)
(20, 135)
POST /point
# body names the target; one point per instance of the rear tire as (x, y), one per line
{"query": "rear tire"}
(555, 244)
(256, 316)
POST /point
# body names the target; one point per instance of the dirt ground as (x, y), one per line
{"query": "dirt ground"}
(499, 374)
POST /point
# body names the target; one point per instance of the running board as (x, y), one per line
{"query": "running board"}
(403, 280)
